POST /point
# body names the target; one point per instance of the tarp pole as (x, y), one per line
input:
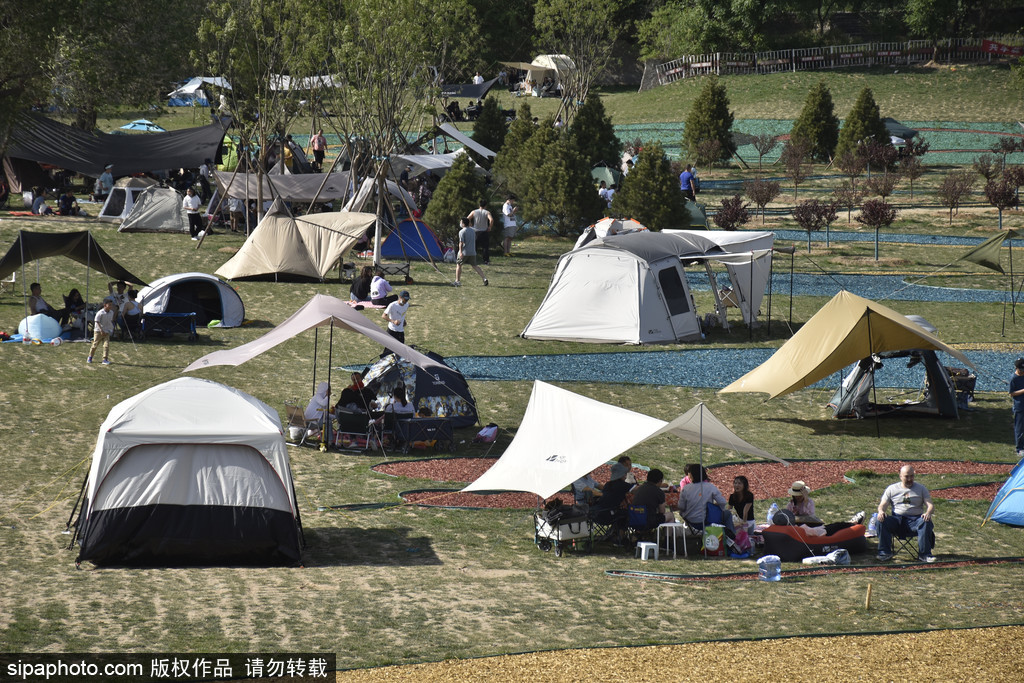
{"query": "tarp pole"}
(750, 300)
(316, 340)
(24, 283)
(1013, 296)
(874, 395)
(328, 421)
(771, 277)
(792, 264)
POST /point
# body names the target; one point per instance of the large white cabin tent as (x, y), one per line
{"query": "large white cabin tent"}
(190, 472)
(157, 209)
(622, 289)
(209, 297)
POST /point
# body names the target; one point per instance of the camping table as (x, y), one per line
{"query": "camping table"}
(170, 322)
(413, 429)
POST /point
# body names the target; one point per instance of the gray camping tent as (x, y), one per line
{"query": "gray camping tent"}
(938, 397)
(156, 209)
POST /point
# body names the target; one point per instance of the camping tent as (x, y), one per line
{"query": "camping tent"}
(156, 209)
(190, 472)
(78, 246)
(320, 311)
(307, 246)
(898, 133)
(441, 389)
(1008, 505)
(206, 296)
(192, 94)
(122, 198)
(564, 435)
(625, 289)
(846, 330)
(853, 398)
(559, 67)
(608, 226)
(368, 190)
(412, 240)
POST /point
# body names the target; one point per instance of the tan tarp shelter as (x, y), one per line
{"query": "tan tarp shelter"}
(320, 311)
(564, 435)
(307, 246)
(846, 330)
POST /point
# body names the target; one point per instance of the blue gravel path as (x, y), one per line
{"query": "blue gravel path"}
(713, 368)
(818, 238)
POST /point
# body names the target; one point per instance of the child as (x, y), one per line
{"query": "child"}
(103, 328)
(741, 500)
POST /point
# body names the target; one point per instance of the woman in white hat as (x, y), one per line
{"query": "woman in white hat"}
(800, 504)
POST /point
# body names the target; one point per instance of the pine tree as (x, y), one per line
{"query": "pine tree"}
(506, 167)
(593, 134)
(650, 193)
(710, 119)
(864, 122)
(456, 195)
(817, 123)
(489, 130)
(557, 188)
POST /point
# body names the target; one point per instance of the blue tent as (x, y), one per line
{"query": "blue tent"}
(412, 240)
(1008, 506)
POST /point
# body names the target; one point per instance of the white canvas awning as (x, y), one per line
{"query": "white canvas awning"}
(457, 135)
(564, 435)
(320, 311)
(197, 82)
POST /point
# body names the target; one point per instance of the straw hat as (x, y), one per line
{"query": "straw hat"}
(799, 489)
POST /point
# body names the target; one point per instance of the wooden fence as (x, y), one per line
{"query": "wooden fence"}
(959, 50)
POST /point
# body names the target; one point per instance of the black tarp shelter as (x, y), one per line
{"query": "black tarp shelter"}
(474, 91)
(37, 138)
(78, 246)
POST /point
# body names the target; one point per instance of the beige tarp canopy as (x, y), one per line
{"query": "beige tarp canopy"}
(564, 435)
(320, 311)
(307, 246)
(846, 330)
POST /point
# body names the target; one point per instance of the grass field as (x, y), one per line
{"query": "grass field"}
(409, 584)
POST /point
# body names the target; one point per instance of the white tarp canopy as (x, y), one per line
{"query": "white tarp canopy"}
(564, 435)
(301, 187)
(286, 82)
(309, 246)
(366, 193)
(320, 311)
(197, 82)
(421, 163)
(451, 131)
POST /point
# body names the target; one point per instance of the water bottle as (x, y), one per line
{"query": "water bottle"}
(772, 512)
(873, 525)
(769, 568)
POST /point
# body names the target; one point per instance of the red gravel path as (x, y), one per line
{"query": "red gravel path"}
(767, 480)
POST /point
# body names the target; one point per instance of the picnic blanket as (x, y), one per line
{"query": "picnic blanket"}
(364, 304)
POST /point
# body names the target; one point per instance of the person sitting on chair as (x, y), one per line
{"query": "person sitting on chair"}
(911, 514)
(37, 305)
(585, 490)
(694, 499)
(319, 404)
(650, 495)
(613, 495)
(131, 314)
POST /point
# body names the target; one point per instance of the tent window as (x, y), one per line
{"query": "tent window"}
(675, 293)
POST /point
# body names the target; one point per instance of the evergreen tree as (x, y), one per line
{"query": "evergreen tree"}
(864, 122)
(817, 124)
(593, 134)
(506, 167)
(455, 196)
(489, 130)
(710, 119)
(650, 193)
(556, 187)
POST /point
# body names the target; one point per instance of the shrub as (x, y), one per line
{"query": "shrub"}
(456, 195)
(817, 124)
(764, 144)
(794, 156)
(813, 215)
(489, 130)
(847, 196)
(593, 134)
(650, 193)
(877, 213)
(987, 166)
(953, 188)
(732, 214)
(1002, 195)
(882, 185)
(912, 168)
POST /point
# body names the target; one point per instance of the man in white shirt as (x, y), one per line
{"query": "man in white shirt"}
(508, 212)
(395, 315)
(104, 327)
(195, 219)
(478, 79)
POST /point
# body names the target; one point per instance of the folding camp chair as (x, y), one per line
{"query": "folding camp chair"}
(639, 523)
(906, 541)
(297, 421)
(8, 283)
(353, 431)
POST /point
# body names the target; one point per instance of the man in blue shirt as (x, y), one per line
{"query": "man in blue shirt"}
(1017, 393)
(686, 183)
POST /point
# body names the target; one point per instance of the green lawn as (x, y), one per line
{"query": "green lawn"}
(406, 584)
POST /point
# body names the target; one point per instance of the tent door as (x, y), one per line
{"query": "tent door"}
(677, 298)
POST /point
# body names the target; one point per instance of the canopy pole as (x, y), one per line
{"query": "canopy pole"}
(874, 396)
(750, 300)
(328, 420)
(1013, 298)
(316, 340)
(24, 285)
(792, 265)
(771, 277)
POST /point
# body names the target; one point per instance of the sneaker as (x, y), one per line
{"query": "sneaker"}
(486, 282)
(195, 239)
(89, 359)
(106, 362)
(883, 557)
(927, 558)
(857, 518)
(201, 234)
(456, 284)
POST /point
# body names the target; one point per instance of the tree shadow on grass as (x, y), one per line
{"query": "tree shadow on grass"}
(357, 546)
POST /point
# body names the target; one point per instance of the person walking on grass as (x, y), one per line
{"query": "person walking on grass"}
(395, 315)
(103, 329)
(483, 221)
(467, 253)
(1017, 394)
(508, 212)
